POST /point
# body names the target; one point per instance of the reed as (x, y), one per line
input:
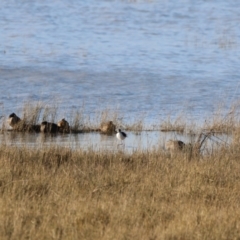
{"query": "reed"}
(224, 119)
(61, 193)
(50, 113)
(137, 124)
(77, 121)
(31, 112)
(108, 115)
(178, 124)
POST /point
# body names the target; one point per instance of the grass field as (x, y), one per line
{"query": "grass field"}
(59, 193)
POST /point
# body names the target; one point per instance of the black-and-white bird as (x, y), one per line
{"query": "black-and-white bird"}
(121, 135)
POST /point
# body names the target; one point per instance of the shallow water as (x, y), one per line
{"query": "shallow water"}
(94, 141)
(143, 58)
(141, 141)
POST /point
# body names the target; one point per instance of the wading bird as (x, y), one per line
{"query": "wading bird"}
(13, 120)
(121, 135)
(20, 125)
(108, 128)
(63, 126)
(174, 145)
(48, 127)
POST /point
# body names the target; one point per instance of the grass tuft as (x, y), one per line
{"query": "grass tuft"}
(177, 125)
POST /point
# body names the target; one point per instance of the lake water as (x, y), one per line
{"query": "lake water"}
(155, 58)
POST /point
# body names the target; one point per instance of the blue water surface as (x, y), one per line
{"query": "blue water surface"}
(154, 58)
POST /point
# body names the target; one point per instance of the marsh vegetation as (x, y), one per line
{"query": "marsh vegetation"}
(31, 115)
(57, 192)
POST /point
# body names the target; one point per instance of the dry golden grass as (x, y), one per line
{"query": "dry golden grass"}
(60, 193)
(224, 120)
(178, 124)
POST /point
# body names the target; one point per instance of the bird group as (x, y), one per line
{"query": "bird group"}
(62, 126)
(20, 125)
